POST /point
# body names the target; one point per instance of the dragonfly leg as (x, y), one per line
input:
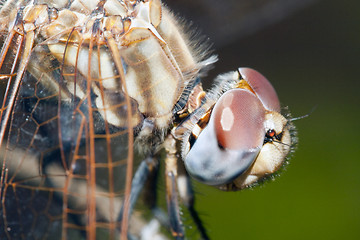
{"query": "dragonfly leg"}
(146, 174)
(178, 182)
(187, 196)
(150, 194)
(138, 182)
(171, 175)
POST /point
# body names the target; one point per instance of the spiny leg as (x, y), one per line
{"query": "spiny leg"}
(138, 182)
(176, 173)
(146, 175)
(177, 181)
(176, 224)
(151, 196)
(171, 174)
(187, 196)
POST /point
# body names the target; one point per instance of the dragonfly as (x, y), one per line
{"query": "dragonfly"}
(88, 88)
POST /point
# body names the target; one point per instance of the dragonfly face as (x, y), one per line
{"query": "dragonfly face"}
(244, 139)
(85, 85)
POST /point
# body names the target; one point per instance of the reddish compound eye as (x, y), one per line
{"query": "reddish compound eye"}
(262, 87)
(239, 120)
(236, 133)
(229, 145)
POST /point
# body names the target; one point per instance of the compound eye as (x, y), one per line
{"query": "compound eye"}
(239, 120)
(262, 88)
(233, 148)
(232, 140)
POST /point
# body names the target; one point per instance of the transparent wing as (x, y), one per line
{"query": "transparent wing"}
(67, 120)
(64, 164)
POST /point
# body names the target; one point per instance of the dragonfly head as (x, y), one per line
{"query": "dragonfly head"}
(242, 138)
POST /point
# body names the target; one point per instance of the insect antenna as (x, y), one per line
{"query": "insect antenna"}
(304, 116)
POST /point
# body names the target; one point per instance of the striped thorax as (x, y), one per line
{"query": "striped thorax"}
(155, 59)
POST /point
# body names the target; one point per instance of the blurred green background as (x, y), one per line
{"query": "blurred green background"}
(312, 58)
